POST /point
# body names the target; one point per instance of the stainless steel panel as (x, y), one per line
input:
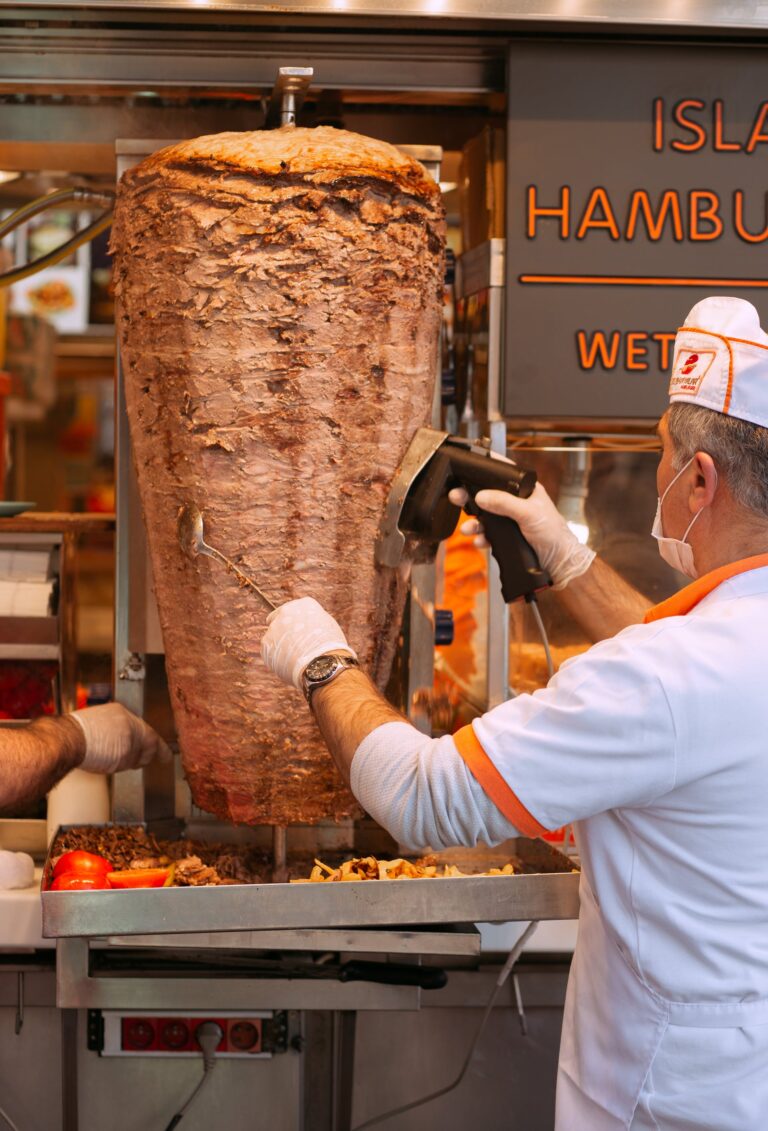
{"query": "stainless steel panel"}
(31, 1075)
(144, 56)
(77, 989)
(143, 1092)
(480, 268)
(464, 942)
(474, 899)
(655, 13)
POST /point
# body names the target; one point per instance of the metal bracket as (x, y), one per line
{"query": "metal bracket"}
(288, 95)
(274, 1032)
(95, 1031)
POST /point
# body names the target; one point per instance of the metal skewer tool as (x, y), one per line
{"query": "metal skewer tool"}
(191, 532)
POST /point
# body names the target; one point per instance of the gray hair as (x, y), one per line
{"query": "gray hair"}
(739, 449)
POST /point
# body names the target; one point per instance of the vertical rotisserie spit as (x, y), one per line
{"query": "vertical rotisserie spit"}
(279, 299)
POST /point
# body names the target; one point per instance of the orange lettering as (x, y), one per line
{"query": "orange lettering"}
(637, 352)
(710, 215)
(695, 128)
(588, 351)
(658, 124)
(534, 211)
(756, 135)
(668, 206)
(738, 220)
(718, 143)
(598, 199)
(665, 348)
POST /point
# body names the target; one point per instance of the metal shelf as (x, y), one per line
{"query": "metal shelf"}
(30, 652)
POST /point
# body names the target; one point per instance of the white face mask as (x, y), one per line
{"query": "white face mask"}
(676, 551)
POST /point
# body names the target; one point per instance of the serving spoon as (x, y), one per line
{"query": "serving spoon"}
(191, 533)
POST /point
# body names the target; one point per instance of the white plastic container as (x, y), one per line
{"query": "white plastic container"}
(80, 798)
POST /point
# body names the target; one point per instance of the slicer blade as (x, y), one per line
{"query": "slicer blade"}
(391, 542)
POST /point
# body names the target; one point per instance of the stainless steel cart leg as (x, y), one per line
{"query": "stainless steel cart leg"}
(344, 1025)
(69, 1116)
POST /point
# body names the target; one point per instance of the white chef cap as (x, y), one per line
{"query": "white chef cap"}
(721, 360)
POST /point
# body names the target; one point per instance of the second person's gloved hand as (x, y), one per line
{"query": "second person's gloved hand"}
(557, 547)
(116, 739)
(298, 632)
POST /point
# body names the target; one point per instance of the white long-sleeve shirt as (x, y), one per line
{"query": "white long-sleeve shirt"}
(655, 743)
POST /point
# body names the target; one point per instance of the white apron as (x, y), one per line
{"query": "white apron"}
(613, 1026)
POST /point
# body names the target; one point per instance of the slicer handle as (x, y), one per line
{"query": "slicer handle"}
(519, 567)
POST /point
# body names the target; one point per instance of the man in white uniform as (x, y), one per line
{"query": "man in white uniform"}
(654, 743)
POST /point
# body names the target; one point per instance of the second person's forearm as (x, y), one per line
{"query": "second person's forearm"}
(33, 758)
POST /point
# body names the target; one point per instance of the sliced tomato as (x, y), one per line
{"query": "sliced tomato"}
(142, 878)
(84, 863)
(77, 881)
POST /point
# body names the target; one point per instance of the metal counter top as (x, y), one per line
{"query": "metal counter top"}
(654, 13)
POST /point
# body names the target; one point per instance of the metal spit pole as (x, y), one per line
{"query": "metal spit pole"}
(279, 854)
(288, 94)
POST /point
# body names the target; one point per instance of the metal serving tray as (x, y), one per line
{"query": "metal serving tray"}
(552, 893)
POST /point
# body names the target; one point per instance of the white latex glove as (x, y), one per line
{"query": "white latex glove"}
(557, 547)
(116, 739)
(298, 632)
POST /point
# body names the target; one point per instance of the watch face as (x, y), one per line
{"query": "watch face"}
(320, 668)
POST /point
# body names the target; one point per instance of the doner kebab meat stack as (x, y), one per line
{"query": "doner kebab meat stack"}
(279, 297)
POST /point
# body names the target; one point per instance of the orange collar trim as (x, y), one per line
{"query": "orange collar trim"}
(679, 604)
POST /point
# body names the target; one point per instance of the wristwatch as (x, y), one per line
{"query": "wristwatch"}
(323, 670)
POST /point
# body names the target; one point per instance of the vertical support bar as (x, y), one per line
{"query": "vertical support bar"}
(19, 1023)
(69, 1108)
(128, 787)
(421, 646)
(498, 614)
(68, 621)
(497, 660)
(318, 1075)
(279, 854)
(344, 1027)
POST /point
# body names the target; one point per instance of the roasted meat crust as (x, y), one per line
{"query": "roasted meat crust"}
(320, 156)
(279, 300)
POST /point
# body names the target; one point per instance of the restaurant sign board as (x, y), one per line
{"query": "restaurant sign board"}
(636, 186)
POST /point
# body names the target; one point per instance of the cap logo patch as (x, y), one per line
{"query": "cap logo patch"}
(689, 370)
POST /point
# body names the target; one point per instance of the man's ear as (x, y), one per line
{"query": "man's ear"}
(706, 474)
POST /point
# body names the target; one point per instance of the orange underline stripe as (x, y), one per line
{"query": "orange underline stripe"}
(485, 773)
(640, 281)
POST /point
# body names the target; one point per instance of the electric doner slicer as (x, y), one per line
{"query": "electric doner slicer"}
(419, 514)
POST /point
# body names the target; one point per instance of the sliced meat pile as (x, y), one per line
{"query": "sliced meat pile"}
(279, 300)
(129, 847)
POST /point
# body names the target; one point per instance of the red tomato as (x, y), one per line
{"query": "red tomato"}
(142, 878)
(77, 881)
(84, 863)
